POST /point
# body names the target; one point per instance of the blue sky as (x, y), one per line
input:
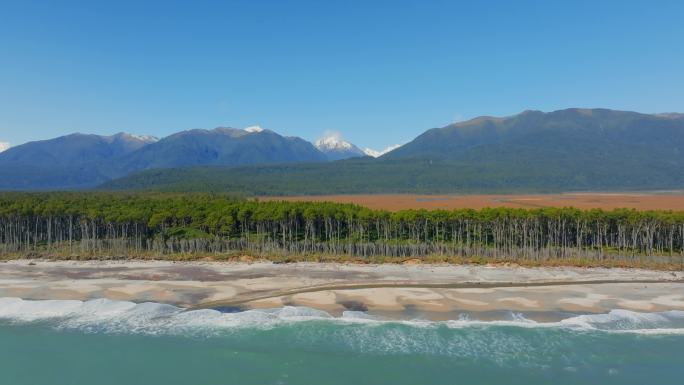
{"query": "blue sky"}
(379, 72)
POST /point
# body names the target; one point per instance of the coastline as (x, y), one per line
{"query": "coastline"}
(436, 292)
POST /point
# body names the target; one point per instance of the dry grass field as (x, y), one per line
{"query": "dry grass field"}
(606, 201)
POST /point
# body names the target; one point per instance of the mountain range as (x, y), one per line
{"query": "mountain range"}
(597, 134)
(83, 161)
(71, 161)
(572, 149)
(222, 146)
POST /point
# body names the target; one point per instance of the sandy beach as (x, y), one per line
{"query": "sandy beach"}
(431, 291)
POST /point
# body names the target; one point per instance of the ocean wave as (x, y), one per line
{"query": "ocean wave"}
(155, 318)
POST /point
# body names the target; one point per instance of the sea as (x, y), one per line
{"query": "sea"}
(98, 342)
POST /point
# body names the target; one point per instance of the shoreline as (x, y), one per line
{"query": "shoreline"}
(410, 285)
(436, 292)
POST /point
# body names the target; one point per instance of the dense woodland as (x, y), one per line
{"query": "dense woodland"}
(125, 224)
(501, 173)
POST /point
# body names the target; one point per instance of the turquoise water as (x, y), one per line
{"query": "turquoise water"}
(111, 342)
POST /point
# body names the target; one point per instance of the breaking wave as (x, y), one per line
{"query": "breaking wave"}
(104, 315)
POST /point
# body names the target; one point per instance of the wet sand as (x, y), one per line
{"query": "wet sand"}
(429, 291)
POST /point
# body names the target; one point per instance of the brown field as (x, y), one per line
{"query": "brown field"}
(606, 201)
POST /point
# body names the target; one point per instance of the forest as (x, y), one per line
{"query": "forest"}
(163, 224)
(499, 174)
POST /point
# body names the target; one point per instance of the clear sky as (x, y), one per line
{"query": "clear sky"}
(379, 72)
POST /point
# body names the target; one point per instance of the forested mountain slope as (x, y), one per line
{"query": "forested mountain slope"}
(573, 149)
(84, 161)
(567, 150)
(595, 134)
(76, 160)
(222, 146)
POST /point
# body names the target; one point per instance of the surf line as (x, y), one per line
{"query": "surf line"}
(268, 294)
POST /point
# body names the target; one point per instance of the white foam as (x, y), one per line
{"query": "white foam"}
(18, 309)
(354, 315)
(626, 320)
(517, 320)
(615, 321)
(154, 318)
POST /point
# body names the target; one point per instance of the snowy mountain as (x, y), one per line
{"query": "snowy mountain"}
(142, 138)
(81, 161)
(335, 147)
(222, 146)
(376, 153)
(567, 150)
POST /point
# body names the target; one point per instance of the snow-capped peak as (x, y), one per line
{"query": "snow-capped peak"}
(145, 138)
(332, 141)
(4, 146)
(252, 129)
(376, 153)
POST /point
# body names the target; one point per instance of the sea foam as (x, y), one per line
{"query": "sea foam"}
(154, 318)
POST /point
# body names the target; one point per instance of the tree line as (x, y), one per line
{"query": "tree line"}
(122, 223)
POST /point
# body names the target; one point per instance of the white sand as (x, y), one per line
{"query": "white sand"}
(336, 286)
